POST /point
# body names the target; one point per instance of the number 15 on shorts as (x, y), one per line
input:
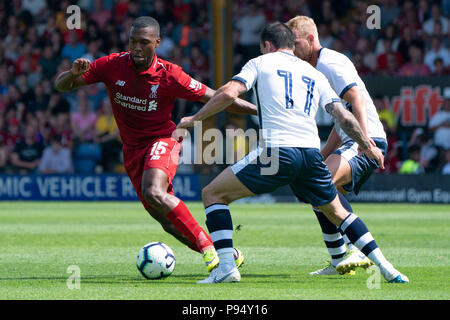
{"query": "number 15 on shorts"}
(158, 148)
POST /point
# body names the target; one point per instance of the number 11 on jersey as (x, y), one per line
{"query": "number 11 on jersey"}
(287, 75)
(288, 87)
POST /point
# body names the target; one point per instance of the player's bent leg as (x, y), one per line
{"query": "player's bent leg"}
(169, 227)
(340, 170)
(166, 207)
(224, 189)
(360, 236)
(335, 242)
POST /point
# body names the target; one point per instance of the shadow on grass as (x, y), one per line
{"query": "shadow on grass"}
(177, 279)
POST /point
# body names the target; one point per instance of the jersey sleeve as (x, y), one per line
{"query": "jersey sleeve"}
(97, 70)
(341, 76)
(248, 74)
(326, 93)
(185, 86)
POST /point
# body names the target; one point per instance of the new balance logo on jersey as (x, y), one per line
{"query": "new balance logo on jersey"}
(153, 94)
(195, 84)
(152, 105)
(120, 83)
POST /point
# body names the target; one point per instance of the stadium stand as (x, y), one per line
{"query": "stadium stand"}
(35, 45)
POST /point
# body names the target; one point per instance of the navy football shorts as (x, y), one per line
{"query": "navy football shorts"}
(361, 165)
(303, 169)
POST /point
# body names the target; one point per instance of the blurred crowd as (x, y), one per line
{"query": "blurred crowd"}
(44, 131)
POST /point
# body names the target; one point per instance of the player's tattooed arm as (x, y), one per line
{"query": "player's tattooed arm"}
(348, 123)
(351, 127)
(71, 79)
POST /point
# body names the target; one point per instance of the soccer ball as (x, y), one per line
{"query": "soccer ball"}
(155, 260)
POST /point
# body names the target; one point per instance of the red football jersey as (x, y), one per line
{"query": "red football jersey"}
(142, 102)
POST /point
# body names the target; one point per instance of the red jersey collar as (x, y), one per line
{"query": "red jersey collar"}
(150, 70)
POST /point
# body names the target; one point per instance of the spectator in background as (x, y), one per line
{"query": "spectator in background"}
(389, 11)
(107, 135)
(27, 153)
(424, 12)
(199, 66)
(412, 165)
(437, 51)
(429, 155)
(100, 15)
(35, 7)
(327, 15)
(60, 125)
(391, 67)
(326, 38)
(4, 156)
(39, 100)
(28, 59)
(440, 123)
(390, 35)
(249, 26)
(408, 18)
(13, 136)
(382, 58)
(181, 33)
(73, 49)
(165, 47)
(162, 14)
(446, 167)
(86, 152)
(358, 61)
(369, 58)
(406, 40)
(4, 150)
(58, 104)
(83, 121)
(350, 36)
(93, 51)
(416, 67)
(385, 114)
(439, 69)
(428, 26)
(437, 31)
(56, 158)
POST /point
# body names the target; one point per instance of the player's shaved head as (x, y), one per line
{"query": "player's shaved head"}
(304, 25)
(143, 41)
(146, 22)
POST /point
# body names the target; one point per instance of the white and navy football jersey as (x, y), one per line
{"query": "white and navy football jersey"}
(288, 93)
(342, 74)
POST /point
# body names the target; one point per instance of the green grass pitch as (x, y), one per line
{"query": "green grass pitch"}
(282, 244)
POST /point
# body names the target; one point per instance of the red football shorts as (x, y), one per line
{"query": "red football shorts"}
(162, 153)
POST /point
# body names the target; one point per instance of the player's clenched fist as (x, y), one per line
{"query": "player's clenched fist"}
(80, 66)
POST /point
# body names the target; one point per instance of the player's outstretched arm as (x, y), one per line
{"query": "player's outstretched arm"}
(239, 106)
(350, 125)
(223, 97)
(71, 79)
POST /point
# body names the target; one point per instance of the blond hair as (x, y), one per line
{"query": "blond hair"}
(304, 25)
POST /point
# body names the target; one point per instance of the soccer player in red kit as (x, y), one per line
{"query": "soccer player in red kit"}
(142, 89)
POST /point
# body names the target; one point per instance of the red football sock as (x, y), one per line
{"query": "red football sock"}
(183, 220)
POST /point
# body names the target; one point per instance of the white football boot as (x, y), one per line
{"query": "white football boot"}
(218, 276)
(354, 259)
(330, 270)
